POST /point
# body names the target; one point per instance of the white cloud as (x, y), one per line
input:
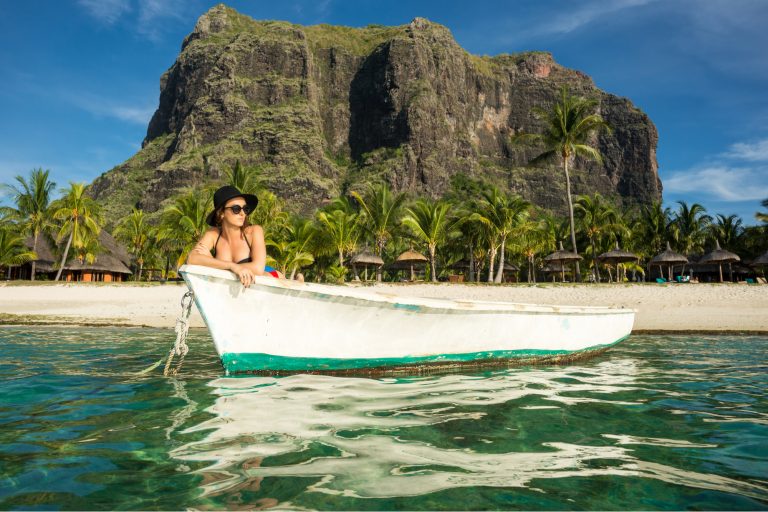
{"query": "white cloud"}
(106, 11)
(721, 182)
(564, 21)
(154, 13)
(137, 114)
(323, 7)
(753, 152)
(585, 14)
(151, 15)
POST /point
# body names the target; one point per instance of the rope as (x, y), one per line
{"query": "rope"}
(180, 347)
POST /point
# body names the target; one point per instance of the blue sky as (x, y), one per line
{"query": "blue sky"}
(79, 79)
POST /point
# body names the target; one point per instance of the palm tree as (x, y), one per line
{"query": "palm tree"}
(381, 216)
(246, 179)
(569, 125)
(502, 214)
(655, 225)
(727, 230)
(135, 231)
(689, 227)
(269, 213)
(287, 257)
(298, 235)
(32, 200)
(532, 239)
(473, 238)
(761, 216)
(89, 248)
(340, 227)
(79, 218)
(12, 249)
(429, 222)
(597, 218)
(183, 223)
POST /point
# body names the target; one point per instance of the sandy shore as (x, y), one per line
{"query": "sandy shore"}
(678, 307)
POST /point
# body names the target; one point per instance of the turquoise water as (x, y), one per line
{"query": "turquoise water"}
(658, 422)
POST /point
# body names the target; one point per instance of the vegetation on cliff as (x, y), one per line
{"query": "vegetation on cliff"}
(327, 110)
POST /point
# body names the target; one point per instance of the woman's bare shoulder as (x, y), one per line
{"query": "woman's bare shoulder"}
(254, 229)
(209, 236)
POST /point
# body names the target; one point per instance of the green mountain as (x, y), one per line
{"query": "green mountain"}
(325, 109)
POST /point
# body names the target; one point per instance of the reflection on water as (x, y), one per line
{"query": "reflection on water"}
(656, 423)
(369, 438)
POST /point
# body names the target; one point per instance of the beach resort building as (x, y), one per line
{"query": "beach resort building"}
(109, 265)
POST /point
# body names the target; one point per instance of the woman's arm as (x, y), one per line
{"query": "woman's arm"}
(201, 253)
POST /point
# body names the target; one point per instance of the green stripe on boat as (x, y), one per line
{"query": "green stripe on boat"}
(249, 362)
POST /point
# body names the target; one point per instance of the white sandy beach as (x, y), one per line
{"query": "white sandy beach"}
(671, 307)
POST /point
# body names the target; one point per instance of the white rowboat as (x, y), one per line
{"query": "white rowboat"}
(278, 325)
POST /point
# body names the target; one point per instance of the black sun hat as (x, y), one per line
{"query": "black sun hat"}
(224, 194)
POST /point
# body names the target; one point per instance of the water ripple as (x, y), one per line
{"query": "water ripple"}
(657, 423)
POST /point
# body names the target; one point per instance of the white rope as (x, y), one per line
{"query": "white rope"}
(180, 347)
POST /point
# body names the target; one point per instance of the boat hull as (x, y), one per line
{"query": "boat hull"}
(277, 325)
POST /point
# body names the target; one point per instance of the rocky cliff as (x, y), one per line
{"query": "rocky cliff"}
(323, 109)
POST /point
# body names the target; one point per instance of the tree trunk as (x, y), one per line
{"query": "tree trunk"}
(491, 259)
(471, 262)
(594, 261)
(293, 272)
(34, 249)
(570, 216)
(379, 270)
(66, 253)
(531, 277)
(141, 268)
(341, 258)
(500, 272)
(432, 264)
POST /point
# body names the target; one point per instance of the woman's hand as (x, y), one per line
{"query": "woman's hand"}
(243, 273)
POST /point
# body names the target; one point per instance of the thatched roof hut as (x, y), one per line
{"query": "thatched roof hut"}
(718, 256)
(408, 260)
(668, 258)
(761, 261)
(617, 256)
(562, 257)
(365, 258)
(110, 265)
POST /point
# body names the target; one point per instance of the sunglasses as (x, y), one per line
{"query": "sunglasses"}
(237, 209)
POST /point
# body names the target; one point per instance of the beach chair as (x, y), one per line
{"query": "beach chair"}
(761, 280)
(750, 281)
(661, 280)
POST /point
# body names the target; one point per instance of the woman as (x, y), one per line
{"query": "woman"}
(233, 243)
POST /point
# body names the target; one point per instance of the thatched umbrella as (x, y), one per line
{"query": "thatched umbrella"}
(669, 258)
(462, 264)
(617, 256)
(409, 259)
(719, 256)
(365, 259)
(562, 256)
(761, 261)
(554, 268)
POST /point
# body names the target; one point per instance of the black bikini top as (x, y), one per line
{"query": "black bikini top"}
(245, 260)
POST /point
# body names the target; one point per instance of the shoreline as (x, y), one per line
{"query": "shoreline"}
(661, 309)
